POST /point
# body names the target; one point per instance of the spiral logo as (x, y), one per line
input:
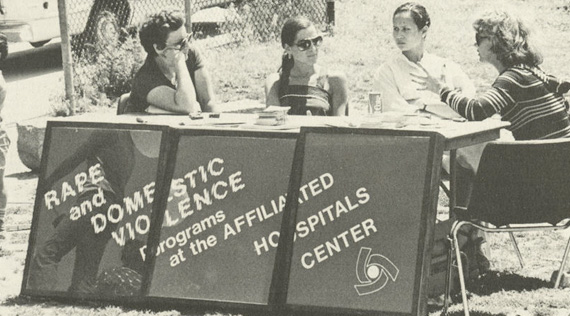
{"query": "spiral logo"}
(373, 272)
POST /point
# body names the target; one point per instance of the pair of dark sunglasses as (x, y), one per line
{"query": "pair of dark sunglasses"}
(479, 39)
(180, 45)
(307, 43)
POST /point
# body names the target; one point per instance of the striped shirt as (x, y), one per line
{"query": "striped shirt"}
(303, 98)
(521, 98)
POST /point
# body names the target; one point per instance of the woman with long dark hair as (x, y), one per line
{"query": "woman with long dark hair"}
(301, 83)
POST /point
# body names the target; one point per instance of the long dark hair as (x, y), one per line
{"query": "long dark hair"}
(509, 38)
(288, 33)
(417, 11)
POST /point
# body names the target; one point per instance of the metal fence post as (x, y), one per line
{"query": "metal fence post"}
(330, 12)
(66, 58)
(188, 10)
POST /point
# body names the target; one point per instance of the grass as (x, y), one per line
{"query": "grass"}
(360, 41)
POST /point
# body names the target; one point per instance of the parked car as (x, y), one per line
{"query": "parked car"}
(37, 21)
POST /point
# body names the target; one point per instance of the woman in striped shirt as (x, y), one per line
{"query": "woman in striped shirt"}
(523, 94)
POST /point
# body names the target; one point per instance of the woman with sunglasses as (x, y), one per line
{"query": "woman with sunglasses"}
(400, 79)
(173, 77)
(523, 94)
(301, 83)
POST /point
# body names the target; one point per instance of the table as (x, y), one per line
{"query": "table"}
(457, 134)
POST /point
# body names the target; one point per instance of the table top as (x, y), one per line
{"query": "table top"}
(457, 134)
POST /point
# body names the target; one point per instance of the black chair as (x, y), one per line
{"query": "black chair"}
(520, 186)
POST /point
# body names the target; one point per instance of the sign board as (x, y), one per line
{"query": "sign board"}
(360, 214)
(93, 210)
(337, 220)
(221, 226)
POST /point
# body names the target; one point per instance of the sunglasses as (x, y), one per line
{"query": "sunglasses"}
(306, 43)
(180, 45)
(479, 39)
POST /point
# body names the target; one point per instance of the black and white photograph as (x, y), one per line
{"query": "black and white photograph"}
(284, 157)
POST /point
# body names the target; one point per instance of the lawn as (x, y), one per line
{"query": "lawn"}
(359, 42)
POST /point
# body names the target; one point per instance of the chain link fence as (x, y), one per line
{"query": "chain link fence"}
(103, 36)
(218, 22)
(247, 21)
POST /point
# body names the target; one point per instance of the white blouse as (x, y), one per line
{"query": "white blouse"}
(401, 93)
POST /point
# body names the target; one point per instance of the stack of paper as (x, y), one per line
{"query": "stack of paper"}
(271, 118)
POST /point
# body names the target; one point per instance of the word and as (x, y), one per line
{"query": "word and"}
(114, 214)
(94, 175)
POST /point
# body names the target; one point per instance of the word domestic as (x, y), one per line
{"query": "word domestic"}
(218, 190)
(210, 173)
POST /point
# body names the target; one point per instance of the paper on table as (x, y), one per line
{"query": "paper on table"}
(275, 108)
(442, 110)
(270, 127)
(156, 110)
(217, 122)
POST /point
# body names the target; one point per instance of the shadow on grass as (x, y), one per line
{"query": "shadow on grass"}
(29, 301)
(23, 175)
(494, 281)
(94, 307)
(490, 283)
(77, 304)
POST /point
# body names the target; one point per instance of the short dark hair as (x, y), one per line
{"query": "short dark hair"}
(417, 11)
(156, 28)
(509, 38)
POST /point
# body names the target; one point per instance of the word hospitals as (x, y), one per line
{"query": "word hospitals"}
(323, 218)
(138, 200)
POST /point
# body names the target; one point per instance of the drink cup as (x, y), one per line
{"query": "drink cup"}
(374, 102)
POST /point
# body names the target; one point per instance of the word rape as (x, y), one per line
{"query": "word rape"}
(134, 222)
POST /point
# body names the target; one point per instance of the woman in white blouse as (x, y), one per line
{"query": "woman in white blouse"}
(401, 79)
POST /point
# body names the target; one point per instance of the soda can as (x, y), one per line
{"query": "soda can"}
(374, 102)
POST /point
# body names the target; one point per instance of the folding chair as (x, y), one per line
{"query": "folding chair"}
(520, 186)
